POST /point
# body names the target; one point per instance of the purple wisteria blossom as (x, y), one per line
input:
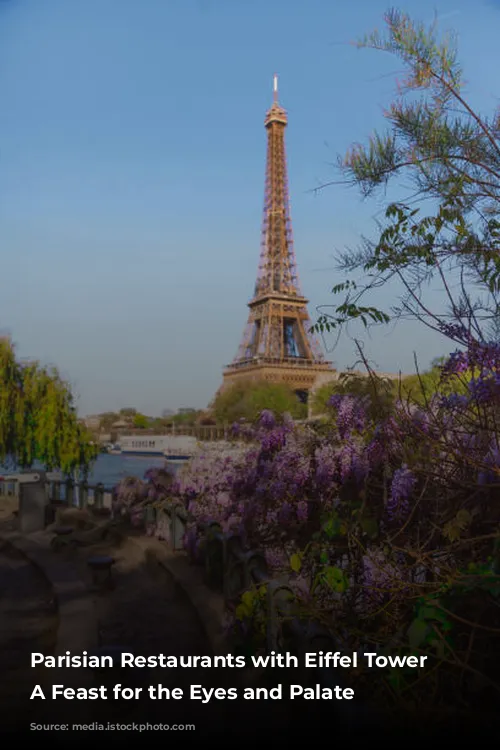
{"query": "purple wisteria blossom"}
(352, 461)
(456, 331)
(274, 439)
(285, 513)
(457, 363)
(351, 413)
(302, 511)
(326, 465)
(290, 472)
(485, 388)
(454, 401)
(424, 420)
(267, 419)
(381, 579)
(481, 356)
(403, 484)
(490, 471)
(129, 490)
(272, 516)
(376, 452)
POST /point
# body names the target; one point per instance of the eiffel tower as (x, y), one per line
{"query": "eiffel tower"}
(277, 345)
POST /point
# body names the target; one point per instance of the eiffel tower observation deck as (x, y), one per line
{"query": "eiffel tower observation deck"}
(277, 345)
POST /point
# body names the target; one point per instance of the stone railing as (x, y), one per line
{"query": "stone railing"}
(65, 491)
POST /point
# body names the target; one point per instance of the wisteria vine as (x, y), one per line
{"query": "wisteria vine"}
(366, 518)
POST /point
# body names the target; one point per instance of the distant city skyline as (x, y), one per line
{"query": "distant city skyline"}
(132, 178)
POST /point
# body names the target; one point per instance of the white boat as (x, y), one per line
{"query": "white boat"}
(173, 448)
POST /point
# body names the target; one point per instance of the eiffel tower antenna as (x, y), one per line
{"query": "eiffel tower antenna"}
(277, 344)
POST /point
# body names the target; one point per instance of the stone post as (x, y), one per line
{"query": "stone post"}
(33, 502)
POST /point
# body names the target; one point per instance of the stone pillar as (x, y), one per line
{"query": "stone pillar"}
(33, 502)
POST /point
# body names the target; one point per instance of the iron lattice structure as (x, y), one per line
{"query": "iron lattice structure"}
(277, 344)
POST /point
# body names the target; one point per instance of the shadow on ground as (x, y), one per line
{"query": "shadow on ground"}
(143, 612)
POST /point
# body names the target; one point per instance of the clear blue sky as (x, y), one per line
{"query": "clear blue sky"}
(132, 154)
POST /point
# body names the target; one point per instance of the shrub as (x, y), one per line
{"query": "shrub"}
(246, 399)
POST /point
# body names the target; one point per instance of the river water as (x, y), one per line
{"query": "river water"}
(110, 469)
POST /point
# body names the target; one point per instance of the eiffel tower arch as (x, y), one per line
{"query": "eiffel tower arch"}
(277, 345)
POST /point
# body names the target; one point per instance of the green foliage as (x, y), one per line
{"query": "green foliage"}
(107, 420)
(448, 153)
(128, 412)
(431, 628)
(481, 576)
(379, 392)
(251, 613)
(140, 421)
(335, 579)
(333, 526)
(187, 418)
(454, 528)
(420, 388)
(321, 397)
(248, 398)
(38, 421)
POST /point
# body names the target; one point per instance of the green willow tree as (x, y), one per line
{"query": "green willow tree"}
(38, 421)
(447, 230)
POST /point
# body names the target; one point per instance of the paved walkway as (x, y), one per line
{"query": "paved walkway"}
(145, 613)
